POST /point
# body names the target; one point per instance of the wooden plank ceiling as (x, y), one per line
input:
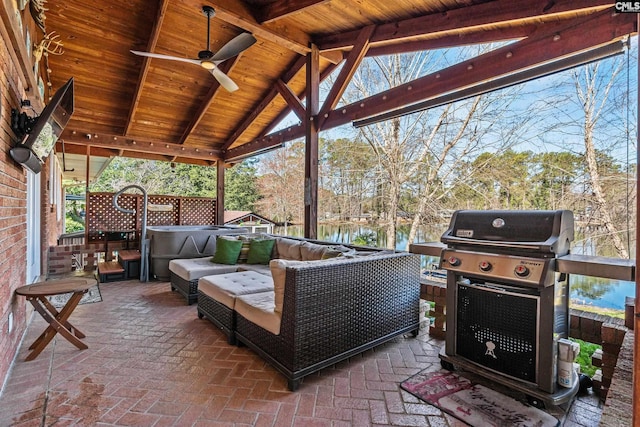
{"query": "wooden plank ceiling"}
(127, 105)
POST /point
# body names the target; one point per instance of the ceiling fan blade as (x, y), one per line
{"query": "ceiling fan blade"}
(171, 58)
(224, 80)
(234, 47)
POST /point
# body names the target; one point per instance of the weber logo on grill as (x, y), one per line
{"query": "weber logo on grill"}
(464, 233)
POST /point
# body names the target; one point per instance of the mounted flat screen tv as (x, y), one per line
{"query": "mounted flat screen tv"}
(40, 140)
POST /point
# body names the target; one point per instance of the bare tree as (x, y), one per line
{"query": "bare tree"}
(280, 184)
(418, 154)
(346, 177)
(593, 94)
(587, 108)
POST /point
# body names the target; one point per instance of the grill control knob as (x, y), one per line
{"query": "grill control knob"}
(453, 261)
(485, 266)
(522, 271)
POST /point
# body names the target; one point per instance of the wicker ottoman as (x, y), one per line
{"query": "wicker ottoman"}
(186, 272)
(217, 297)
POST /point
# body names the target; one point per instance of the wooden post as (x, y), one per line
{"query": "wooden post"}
(86, 195)
(636, 335)
(220, 193)
(311, 144)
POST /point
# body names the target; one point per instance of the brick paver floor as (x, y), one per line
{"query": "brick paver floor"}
(152, 362)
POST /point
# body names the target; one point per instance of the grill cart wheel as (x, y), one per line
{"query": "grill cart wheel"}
(447, 365)
(536, 403)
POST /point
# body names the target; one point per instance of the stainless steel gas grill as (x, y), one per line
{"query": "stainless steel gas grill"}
(507, 306)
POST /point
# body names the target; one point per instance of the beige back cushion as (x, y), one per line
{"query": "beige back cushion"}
(288, 249)
(278, 269)
(312, 251)
(278, 273)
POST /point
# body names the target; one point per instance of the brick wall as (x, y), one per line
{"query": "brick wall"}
(436, 293)
(618, 408)
(61, 258)
(12, 218)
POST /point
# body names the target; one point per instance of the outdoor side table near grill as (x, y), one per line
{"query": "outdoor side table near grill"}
(58, 320)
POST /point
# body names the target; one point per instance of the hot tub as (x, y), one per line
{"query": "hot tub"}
(169, 242)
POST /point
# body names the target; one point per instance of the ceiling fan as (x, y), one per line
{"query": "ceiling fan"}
(209, 60)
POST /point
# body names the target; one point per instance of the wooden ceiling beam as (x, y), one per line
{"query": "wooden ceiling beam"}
(284, 113)
(82, 150)
(292, 99)
(498, 12)
(139, 145)
(454, 40)
(253, 113)
(197, 116)
(144, 70)
(550, 42)
(239, 13)
(351, 63)
(282, 8)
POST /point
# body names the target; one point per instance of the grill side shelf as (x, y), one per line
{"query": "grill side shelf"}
(595, 266)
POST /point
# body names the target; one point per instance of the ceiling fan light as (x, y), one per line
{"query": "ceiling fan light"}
(208, 65)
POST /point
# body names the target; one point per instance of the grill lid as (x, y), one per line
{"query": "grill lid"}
(542, 232)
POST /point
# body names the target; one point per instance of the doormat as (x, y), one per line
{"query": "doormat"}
(474, 403)
(92, 295)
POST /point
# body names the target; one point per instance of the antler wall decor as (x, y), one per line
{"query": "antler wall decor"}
(50, 44)
(44, 47)
(37, 9)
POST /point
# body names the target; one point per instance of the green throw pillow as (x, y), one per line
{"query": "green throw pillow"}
(260, 251)
(227, 251)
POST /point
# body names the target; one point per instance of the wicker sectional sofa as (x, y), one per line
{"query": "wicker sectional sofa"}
(332, 310)
(321, 311)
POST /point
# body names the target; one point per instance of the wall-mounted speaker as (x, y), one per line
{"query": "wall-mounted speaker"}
(26, 158)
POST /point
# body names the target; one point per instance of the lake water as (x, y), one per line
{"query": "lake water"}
(605, 293)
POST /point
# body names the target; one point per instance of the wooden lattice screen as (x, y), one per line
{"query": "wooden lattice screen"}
(195, 211)
(104, 219)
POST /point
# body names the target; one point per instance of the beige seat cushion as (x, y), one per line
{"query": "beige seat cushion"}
(195, 268)
(259, 309)
(225, 288)
(258, 268)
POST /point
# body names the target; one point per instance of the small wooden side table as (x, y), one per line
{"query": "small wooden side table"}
(58, 320)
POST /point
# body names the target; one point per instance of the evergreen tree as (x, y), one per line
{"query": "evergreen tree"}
(241, 191)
